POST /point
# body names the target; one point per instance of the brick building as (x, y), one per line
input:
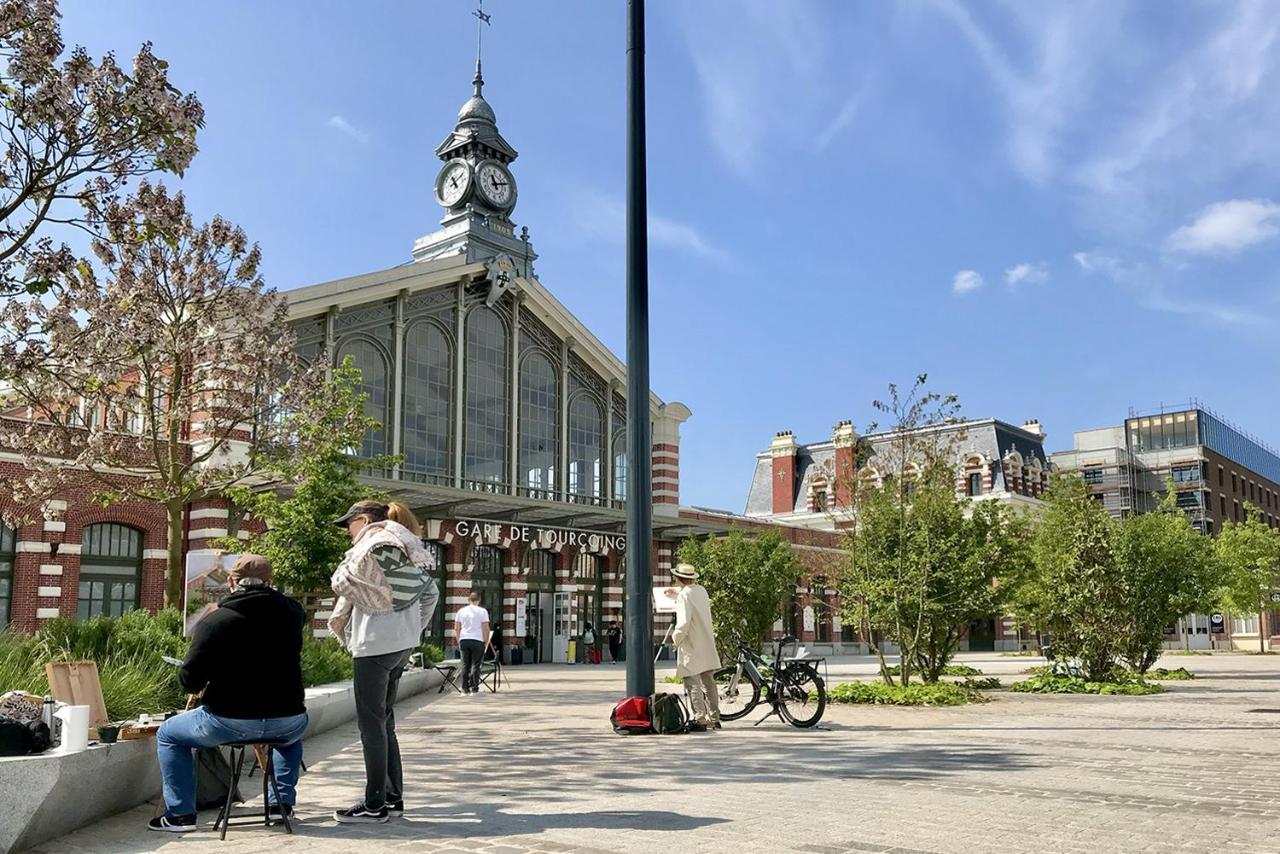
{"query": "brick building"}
(510, 416)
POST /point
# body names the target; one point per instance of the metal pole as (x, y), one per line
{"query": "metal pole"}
(639, 618)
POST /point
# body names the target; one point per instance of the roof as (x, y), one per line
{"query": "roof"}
(989, 436)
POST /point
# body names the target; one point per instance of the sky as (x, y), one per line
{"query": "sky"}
(1056, 210)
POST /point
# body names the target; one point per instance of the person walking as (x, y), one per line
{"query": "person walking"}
(246, 658)
(614, 635)
(695, 643)
(589, 644)
(386, 597)
(471, 628)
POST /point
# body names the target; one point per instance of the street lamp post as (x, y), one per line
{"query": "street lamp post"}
(639, 614)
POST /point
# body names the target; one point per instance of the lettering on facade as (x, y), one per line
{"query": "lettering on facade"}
(541, 537)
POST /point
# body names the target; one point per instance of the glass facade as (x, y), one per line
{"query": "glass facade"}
(539, 426)
(428, 400)
(586, 432)
(372, 362)
(1164, 432)
(110, 570)
(1234, 445)
(485, 436)
(620, 466)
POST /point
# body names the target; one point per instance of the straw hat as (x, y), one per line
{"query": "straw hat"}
(685, 570)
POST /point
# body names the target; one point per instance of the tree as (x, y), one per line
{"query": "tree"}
(1250, 555)
(746, 579)
(73, 133)
(172, 378)
(1167, 569)
(308, 492)
(1076, 591)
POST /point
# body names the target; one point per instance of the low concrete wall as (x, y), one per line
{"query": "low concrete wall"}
(51, 794)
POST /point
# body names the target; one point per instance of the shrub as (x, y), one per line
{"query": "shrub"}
(986, 683)
(1049, 683)
(878, 693)
(1165, 675)
(324, 661)
(1189, 652)
(948, 670)
(431, 652)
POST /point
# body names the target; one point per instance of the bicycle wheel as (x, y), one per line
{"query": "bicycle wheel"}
(738, 694)
(804, 697)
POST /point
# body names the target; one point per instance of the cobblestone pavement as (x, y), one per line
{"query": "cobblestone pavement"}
(536, 768)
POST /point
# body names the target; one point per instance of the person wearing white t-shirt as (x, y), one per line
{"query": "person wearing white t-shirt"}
(471, 628)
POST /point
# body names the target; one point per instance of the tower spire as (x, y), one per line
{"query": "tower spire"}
(481, 18)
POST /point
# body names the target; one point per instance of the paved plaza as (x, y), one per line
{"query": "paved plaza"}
(536, 768)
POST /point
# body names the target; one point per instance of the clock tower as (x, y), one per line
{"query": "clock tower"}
(477, 190)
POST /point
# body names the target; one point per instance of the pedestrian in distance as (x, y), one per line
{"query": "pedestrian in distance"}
(386, 597)
(614, 635)
(471, 628)
(696, 657)
(589, 644)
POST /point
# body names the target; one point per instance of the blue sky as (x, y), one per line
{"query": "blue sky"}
(1056, 210)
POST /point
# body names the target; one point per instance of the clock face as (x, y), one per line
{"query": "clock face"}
(496, 184)
(453, 183)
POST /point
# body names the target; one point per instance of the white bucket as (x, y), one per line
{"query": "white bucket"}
(75, 728)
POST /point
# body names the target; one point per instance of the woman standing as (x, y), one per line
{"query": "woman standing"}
(386, 596)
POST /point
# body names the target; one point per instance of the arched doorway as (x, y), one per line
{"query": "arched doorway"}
(539, 629)
(486, 579)
(110, 570)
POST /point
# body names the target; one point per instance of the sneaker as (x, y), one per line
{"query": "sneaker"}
(360, 814)
(396, 807)
(279, 811)
(173, 823)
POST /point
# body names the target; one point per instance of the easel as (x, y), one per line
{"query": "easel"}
(671, 628)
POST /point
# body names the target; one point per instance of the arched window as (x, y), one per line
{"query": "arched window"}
(372, 363)
(110, 570)
(7, 549)
(486, 579)
(428, 400)
(435, 631)
(539, 426)
(620, 466)
(586, 428)
(485, 438)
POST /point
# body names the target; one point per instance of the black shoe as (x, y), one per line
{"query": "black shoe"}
(396, 807)
(697, 727)
(716, 725)
(173, 823)
(360, 814)
(279, 811)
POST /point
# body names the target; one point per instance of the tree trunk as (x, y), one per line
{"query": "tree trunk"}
(173, 570)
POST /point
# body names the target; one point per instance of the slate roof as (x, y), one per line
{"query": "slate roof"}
(990, 437)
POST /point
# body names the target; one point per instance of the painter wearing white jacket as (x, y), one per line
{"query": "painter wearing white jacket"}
(695, 643)
(386, 595)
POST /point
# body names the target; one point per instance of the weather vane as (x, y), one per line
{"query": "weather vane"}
(481, 18)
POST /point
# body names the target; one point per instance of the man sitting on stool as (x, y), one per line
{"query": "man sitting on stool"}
(246, 657)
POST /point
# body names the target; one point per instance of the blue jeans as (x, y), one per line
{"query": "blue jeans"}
(179, 735)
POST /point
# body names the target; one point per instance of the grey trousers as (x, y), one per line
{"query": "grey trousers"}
(703, 697)
(376, 679)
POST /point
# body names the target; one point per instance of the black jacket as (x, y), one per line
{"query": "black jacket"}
(247, 656)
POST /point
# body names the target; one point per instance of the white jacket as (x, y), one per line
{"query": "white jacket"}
(363, 619)
(693, 636)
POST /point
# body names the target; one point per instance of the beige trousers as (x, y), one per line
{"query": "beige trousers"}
(703, 697)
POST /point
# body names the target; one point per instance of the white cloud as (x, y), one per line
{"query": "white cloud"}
(343, 126)
(1027, 274)
(966, 281)
(1228, 227)
(605, 216)
(1152, 290)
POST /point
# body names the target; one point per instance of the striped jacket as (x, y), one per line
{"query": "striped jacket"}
(385, 570)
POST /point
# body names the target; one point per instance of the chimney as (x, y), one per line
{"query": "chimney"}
(1033, 426)
(783, 450)
(843, 437)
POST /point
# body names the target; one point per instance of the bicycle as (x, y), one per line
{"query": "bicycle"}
(794, 690)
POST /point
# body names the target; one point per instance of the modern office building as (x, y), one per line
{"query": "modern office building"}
(1217, 470)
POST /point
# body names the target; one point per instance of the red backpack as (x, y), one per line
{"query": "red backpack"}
(631, 716)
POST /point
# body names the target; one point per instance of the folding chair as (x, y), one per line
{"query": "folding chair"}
(449, 672)
(493, 675)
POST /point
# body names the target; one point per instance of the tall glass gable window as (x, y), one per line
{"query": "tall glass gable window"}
(110, 570)
(372, 363)
(485, 441)
(586, 429)
(428, 399)
(7, 548)
(620, 466)
(539, 426)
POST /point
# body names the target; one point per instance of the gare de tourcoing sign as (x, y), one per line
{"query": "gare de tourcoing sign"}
(539, 536)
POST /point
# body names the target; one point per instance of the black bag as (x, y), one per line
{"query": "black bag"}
(213, 778)
(22, 738)
(667, 714)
